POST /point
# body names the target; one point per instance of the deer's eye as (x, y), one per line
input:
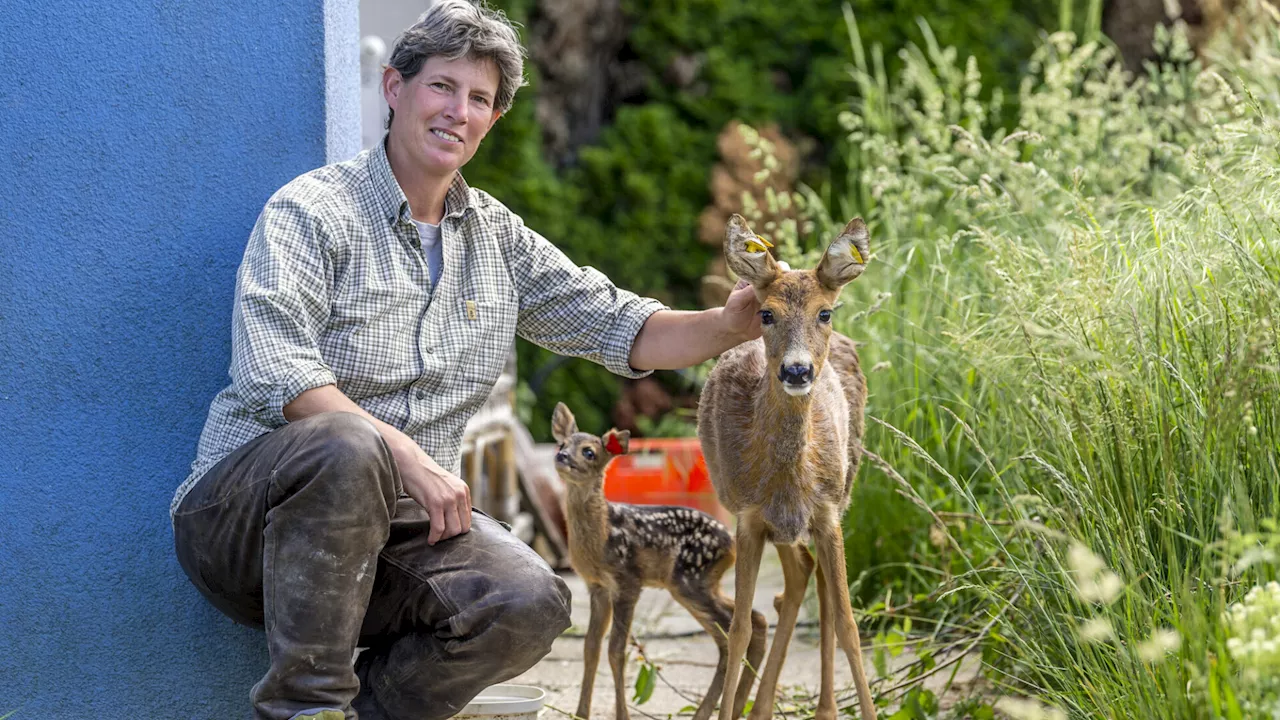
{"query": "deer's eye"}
(766, 317)
(588, 453)
(824, 316)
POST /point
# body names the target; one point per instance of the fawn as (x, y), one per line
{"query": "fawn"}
(618, 549)
(781, 421)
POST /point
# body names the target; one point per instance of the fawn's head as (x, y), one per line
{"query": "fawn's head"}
(795, 306)
(582, 457)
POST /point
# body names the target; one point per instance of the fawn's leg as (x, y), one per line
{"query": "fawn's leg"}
(601, 611)
(750, 544)
(714, 613)
(827, 649)
(624, 608)
(830, 544)
(704, 601)
(797, 566)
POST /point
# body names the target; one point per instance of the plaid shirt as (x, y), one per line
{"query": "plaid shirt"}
(334, 289)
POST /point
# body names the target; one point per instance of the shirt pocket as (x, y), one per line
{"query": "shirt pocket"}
(373, 338)
(486, 328)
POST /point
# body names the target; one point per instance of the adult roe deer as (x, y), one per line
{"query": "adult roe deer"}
(781, 421)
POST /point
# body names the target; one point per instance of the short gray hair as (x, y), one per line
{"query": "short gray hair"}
(457, 29)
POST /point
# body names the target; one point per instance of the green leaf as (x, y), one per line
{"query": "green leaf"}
(927, 701)
(895, 642)
(879, 658)
(644, 684)
(925, 664)
(919, 704)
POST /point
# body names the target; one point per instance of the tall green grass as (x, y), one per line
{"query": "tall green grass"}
(1069, 333)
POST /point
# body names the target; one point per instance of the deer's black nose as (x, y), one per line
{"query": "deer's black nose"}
(796, 374)
(562, 456)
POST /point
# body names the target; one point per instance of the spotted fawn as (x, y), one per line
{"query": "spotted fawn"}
(619, 549)
(781, 421)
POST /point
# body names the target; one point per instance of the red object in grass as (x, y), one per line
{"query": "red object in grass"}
(663, 471)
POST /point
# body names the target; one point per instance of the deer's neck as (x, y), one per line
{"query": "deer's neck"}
(588, 513)
(784, 423)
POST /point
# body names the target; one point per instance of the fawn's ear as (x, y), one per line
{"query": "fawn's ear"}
(616, 441)
(562, 423)
(846, 256)
(748, 255)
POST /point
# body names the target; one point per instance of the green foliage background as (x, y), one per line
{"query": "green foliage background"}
(629, 205)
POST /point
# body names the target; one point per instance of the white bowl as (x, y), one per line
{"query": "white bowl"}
(508, 701)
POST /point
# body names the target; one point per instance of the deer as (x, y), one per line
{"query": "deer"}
(781, 421)
(618, 549)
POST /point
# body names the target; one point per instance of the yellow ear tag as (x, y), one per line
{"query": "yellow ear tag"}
(857, 256)
(758, 244)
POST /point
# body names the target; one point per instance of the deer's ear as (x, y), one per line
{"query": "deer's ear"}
(747, 255)
(616, 441)
(562, 423)
(846, 256)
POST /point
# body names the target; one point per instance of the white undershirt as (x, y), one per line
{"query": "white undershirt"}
(431, 249)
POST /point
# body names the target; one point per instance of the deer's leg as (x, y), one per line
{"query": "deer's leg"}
(827, 649)
(750, 546)
(624, 608)
(797, 566)
(755, 654)
(601, 611)
(830, 544)
(714, 613)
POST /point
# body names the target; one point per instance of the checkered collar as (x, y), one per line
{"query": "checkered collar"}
(391, 198)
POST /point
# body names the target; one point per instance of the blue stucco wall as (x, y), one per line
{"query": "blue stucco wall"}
(138, 141)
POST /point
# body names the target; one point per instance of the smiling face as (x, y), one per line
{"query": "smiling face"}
(441, 114)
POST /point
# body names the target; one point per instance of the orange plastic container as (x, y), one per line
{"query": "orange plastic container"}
(664, 471)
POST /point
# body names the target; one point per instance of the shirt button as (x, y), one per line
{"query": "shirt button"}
(431, 351)
(422, 394)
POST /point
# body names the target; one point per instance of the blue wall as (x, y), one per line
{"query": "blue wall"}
(138, 141)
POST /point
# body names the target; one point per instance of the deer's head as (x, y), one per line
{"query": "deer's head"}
(582, 457)
(795, 306)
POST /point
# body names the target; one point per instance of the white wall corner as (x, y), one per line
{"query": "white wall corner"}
(341, 79)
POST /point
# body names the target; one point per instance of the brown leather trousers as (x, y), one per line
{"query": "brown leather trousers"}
(304, 532)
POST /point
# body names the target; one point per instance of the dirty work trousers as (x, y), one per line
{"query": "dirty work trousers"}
(303, 532)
